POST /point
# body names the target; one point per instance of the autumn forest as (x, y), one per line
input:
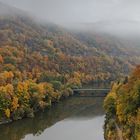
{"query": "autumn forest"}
(41, 64)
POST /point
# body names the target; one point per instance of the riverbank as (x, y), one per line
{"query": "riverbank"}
(40, 99)
(123, 104)
(71, 117)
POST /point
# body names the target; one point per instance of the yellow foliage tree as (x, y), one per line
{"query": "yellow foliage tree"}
(14, 104)
(7, 113)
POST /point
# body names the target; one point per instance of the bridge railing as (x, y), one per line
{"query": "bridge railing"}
(91, 92)
(91, 89)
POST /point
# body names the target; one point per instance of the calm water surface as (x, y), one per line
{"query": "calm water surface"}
(77, 118)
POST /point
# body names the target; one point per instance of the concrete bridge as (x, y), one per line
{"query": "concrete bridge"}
(91, 92)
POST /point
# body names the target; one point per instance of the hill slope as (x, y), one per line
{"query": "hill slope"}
(110, 45)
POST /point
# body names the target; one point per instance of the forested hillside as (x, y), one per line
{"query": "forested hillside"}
(122, 107)
(39, 64)
(126, 49)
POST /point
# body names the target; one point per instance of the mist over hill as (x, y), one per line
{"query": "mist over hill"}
(96, 39)
(21, 30)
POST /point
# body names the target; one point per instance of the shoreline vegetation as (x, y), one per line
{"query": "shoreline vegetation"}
(122, 106)
(25, 98)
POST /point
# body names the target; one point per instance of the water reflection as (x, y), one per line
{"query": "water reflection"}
(72, 117)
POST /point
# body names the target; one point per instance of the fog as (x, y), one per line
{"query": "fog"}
(105, 15)
(80, 10)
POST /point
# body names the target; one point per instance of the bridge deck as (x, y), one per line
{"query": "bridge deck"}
(90, 89)
(91, 92)
(89, 96)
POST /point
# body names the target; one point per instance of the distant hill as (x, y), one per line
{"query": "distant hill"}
(17, 30)
(110, 44)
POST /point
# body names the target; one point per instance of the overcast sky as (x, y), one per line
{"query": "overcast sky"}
(80, 10)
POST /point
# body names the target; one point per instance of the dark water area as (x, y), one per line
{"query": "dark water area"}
(72, 119)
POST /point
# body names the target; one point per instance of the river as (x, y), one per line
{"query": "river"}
(76, 118)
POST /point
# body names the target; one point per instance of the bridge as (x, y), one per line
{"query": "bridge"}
(91, 92)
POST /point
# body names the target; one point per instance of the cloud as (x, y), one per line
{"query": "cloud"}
(66, 11)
